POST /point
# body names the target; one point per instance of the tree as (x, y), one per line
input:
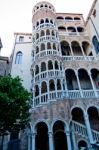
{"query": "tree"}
(15, 102)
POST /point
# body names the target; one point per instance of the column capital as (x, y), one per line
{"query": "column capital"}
(67, 133)
(33, 134)
(50, 134)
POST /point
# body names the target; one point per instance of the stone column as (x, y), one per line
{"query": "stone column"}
(92, 84)
(89, 132)
(51, 143)
(33, 136)
(82, 50)
(71, 50)
(48, 90)
(68, 140)
(55, 82)
(79, 84)
(29, 142)
(40, 93)
(73, 138)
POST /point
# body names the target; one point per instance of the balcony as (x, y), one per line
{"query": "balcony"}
(46, 53)
(49, 74)
(46, 38)
(69, 94)
(78, 58)
(45, 25)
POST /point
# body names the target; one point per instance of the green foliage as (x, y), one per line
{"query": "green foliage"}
(15, 102)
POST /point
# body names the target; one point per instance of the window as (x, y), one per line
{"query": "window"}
(21, 38)
(96, 44)
(18, 59)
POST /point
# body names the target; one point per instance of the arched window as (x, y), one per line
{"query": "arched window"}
(43, 87)
(54, 46)
(37, 49)
(48, 45)
(42, 21)
(56, 65)
(50, 65)
(46, 20)
(18, 59)
(53, 33)
(47, 32)
(42, 46)
(42, 33)
(43, 66)
(96, 44)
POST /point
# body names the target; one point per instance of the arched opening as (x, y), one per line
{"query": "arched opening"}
(93, 114)
(50, 65)
(86, 48)
(41, 6)
(42, 33)
(37, 36)
(82, 145)
(61, 28)
(37, 24)
(71, 29)
(42, 136)
(51, 85)
(71, 80)
(58, 84)
(37, 49)
(54, 46)
(65, 48)
(76, 48)
(77, 18)
(60, 140)
(60, 17)
(95, 77)
(77, 115)
(43, 66)
(95, 43)
(46, 20)
(56, 65)
(18, 59)
(43, 87)
(84, 79)
(47, 32)
(53, 33)
(48, 45)
(36, 69)
(68, 18)
(42, 21)
(42, 46)
(51, 21)
(80, 29)
(36, 90)
(46, 6)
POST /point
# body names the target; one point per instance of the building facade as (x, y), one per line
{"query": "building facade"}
(59, 65)
(4, 63)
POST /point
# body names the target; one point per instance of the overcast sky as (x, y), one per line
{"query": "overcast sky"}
(16, 16)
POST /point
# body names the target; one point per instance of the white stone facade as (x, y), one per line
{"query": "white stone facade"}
(59, 65)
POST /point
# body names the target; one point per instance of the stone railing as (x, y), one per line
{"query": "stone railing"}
(78, 58)
(48, 74)
(59, 94)
(80, 128)
(46, 38)
(44, 25)
(46, 53)
(95, 135)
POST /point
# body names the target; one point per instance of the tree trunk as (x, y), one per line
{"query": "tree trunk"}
(2, 140)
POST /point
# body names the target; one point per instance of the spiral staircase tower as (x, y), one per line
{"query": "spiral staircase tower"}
(48, 77)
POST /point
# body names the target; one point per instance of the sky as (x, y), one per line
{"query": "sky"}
(16, 16)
